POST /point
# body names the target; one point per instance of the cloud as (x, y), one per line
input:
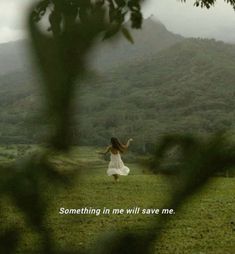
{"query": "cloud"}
(13, 15)
(190, 21)
(7, 34)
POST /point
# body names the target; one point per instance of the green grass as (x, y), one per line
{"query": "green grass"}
(205, 223)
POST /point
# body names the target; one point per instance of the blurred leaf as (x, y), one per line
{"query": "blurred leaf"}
(9, 240)
(127, 35)
(113, 30)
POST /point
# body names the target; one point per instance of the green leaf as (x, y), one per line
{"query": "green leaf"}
(127, 35)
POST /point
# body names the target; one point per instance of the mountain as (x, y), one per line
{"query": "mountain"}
(186, 85)
(13, 57)
(151, 39)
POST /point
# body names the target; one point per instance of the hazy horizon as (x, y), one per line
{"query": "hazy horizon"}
(180, 18)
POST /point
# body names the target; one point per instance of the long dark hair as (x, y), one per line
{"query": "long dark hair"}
(117, 145)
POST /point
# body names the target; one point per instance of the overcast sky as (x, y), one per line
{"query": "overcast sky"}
(181, 18)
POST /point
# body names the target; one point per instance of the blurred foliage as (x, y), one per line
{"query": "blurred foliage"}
(62, 59)
(209, 3)
(195, 158)
(116, 12)
(25, 184)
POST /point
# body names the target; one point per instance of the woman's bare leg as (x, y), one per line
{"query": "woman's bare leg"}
(116, 178)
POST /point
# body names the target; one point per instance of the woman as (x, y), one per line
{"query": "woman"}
(116, 166)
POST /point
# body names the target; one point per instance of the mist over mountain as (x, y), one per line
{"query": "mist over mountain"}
(163, 83)
(152, 38)
(14, 56)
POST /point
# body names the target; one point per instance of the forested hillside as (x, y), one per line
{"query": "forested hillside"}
(185, 86)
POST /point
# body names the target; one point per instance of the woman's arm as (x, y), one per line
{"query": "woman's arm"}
(106, 151)
(128, 143)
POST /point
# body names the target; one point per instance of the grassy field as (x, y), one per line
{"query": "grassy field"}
(204, 225)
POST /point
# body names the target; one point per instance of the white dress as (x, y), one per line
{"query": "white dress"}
(116, 166)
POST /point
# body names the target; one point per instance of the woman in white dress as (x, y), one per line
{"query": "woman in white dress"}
(116, 166)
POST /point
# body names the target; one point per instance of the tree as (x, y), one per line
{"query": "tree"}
(209, 3)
